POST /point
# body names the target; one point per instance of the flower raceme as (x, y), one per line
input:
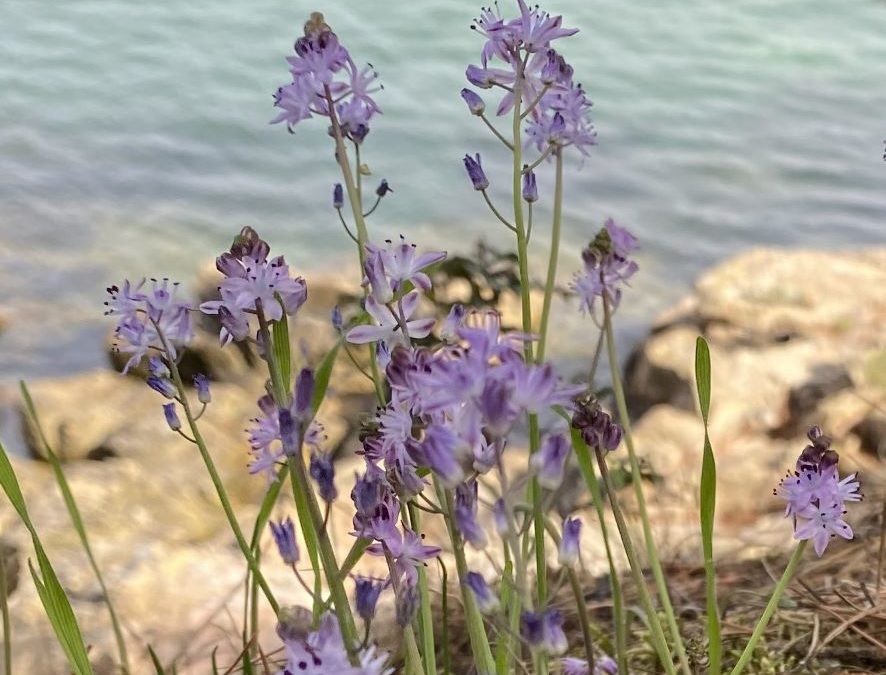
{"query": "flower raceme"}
(607, 266)
(147, 315)
(253, 284)
(815, 494)
(326, 81)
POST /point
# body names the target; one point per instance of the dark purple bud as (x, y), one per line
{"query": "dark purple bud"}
(475, 172)
(530, 188)
(288, 432)
(336, 318)
(407, 603)
(366, 592)
(487, 602)
(171, 416)
(235, 324)
(383, 188)
(338, 196)
(550, 460)
(814, 433)
(304, 393)
(284, 537)
(612, 436)
(201, 384)
(466, 515)
(475, 104)
(323, 473)
(570, 542)
(161, 385)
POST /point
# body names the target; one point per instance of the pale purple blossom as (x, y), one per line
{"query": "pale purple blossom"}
(549, 462)
(284, 537)
(408, 551)
(606, 267)
(389, 328)
(570, 543)
(487, 601)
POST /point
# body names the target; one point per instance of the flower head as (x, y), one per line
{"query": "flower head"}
(606, 266)
(366, 594)
(284, 538)
(816, 496)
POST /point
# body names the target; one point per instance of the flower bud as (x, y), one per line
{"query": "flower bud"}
(549, 462)
(323, 473)
(406, 605)
(383, 188)
(487, 602)
(284, 538)
(161, 385)
(366, 592)
(304, 393)
(171, 416)
(543, 631)
(530, 188)
(338, 196)
(570, 542)
(475, 172)
(201, 384)
(336, 318)
(475, 104)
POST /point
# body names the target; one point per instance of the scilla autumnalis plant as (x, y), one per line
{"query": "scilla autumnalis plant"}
(453, 397)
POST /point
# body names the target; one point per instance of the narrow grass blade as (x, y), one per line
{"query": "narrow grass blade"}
(322, 375)
(155, 661)
(79, 526)
(707, 506)
(52, 595)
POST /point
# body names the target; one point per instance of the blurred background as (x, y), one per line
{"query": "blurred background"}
(134, 140)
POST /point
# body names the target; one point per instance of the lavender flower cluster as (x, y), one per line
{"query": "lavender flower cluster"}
(816, 495)
(452, 393)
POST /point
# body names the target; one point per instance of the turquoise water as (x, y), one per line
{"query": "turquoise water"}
(134, 141)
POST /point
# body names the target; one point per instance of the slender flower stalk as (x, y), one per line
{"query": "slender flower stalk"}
(771, 606)
(214, 475)
(636, 481)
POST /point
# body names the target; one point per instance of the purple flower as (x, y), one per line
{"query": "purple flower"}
(171, 416)
(322, 71)
(201, 384)
(487, 601)
(284, 538)
(145, 315)
(388, 269)
(570, 542)
(602, 666)
(474, 102)
(253, 283)
(265, 438)
(387, 328)
(543, 631)
(366, 593)
(323, 473)
(596, 427)
(475, 172)
(439, 450)
(304, 394)
(323, 652)
(408, 551)
(500, 517)
(815, 494)
(606, 266)
(406, 603)
(550, 460)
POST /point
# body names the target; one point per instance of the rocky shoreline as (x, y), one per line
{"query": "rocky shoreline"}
(797, 338)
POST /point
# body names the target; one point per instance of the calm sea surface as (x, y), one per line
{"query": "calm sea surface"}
(134, 140)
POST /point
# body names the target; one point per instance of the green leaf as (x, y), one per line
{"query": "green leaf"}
(707, 506)
(322, 376)
(158, 667)
(79, 526)
(52, 595)
(703, 376)
(282, 349)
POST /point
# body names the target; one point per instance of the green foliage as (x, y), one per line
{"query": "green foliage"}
(52, 595)
(707, 506)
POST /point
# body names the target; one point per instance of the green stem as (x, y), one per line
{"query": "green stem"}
(655, 629)
(636, 481)
(214, 476)
(426, 623)
(771, 606)
(476, 630)
(554, 258)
